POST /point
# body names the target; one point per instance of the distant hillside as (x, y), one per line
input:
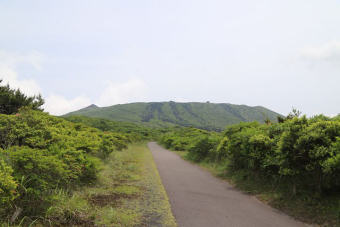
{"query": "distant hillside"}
(200, 115)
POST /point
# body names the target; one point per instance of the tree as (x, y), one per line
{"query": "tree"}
(11, 100)
(295, 113)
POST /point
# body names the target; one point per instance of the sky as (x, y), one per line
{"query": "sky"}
(276, 54)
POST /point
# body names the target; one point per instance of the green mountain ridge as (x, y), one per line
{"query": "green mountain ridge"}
(210, 116)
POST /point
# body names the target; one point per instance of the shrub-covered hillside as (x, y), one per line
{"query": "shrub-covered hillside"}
(40, 153)
(207, 116)
(44, 158)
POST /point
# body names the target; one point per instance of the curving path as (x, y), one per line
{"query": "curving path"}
(199, 199)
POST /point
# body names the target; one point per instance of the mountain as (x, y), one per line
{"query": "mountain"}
(210, 116)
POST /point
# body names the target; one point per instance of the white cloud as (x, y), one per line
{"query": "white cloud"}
(9, 74)
(329, 52)
(56, 104)
(34, 58)
(59, 105)
(332, 115)
(130, 91)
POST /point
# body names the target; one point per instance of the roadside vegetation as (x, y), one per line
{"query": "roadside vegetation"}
(293, 165)
(128, 192)
(41, 155)
(54, 172)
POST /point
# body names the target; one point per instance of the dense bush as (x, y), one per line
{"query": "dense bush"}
(40, 153)
(112, 141)
(182, 139)
(203, 147)
(302, 152)
(201, 144)
(306, 151)
(133, 132)
(8, 185)
(247, 146)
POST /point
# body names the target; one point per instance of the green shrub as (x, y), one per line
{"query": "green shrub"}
(45, 170)
(42, 170)
(248, 145)
(221, 151)
(182, 139)
(201, 148)
(260, 147)
(302, 152)
(41, 154)
(8, 185)
(45, 153)
(132, 132)
(318, 144)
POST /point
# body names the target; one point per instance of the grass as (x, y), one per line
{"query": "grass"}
(128, 193)
(323, 211)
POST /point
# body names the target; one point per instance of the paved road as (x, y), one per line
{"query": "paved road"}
(199, 199)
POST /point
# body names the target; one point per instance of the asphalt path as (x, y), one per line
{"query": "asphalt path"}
(199, 199)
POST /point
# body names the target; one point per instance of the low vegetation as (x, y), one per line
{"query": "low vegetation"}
(293, 165)
(74, 172)
(41, 154)
(135, 132)
(128, 192)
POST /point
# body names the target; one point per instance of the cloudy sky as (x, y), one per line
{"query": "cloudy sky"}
(277, 54)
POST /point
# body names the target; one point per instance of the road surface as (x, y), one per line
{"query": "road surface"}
(199, 199)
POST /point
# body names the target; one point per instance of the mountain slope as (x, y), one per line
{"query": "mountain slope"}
(200, 115)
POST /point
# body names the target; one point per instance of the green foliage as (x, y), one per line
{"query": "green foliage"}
(41, 153)
(222, 149)
(112, 140)
(337, 117)
(201, 144)
(246, 145)
(181, 139)
(202, 148)
(295, 163)
(42, 170)
(208, 116)
(12, 100)
(8, 185)
(306, 150)
(133, 132)
(45, 170)
(302, 152)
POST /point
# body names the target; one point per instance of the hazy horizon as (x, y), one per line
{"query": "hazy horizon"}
(278, 55)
